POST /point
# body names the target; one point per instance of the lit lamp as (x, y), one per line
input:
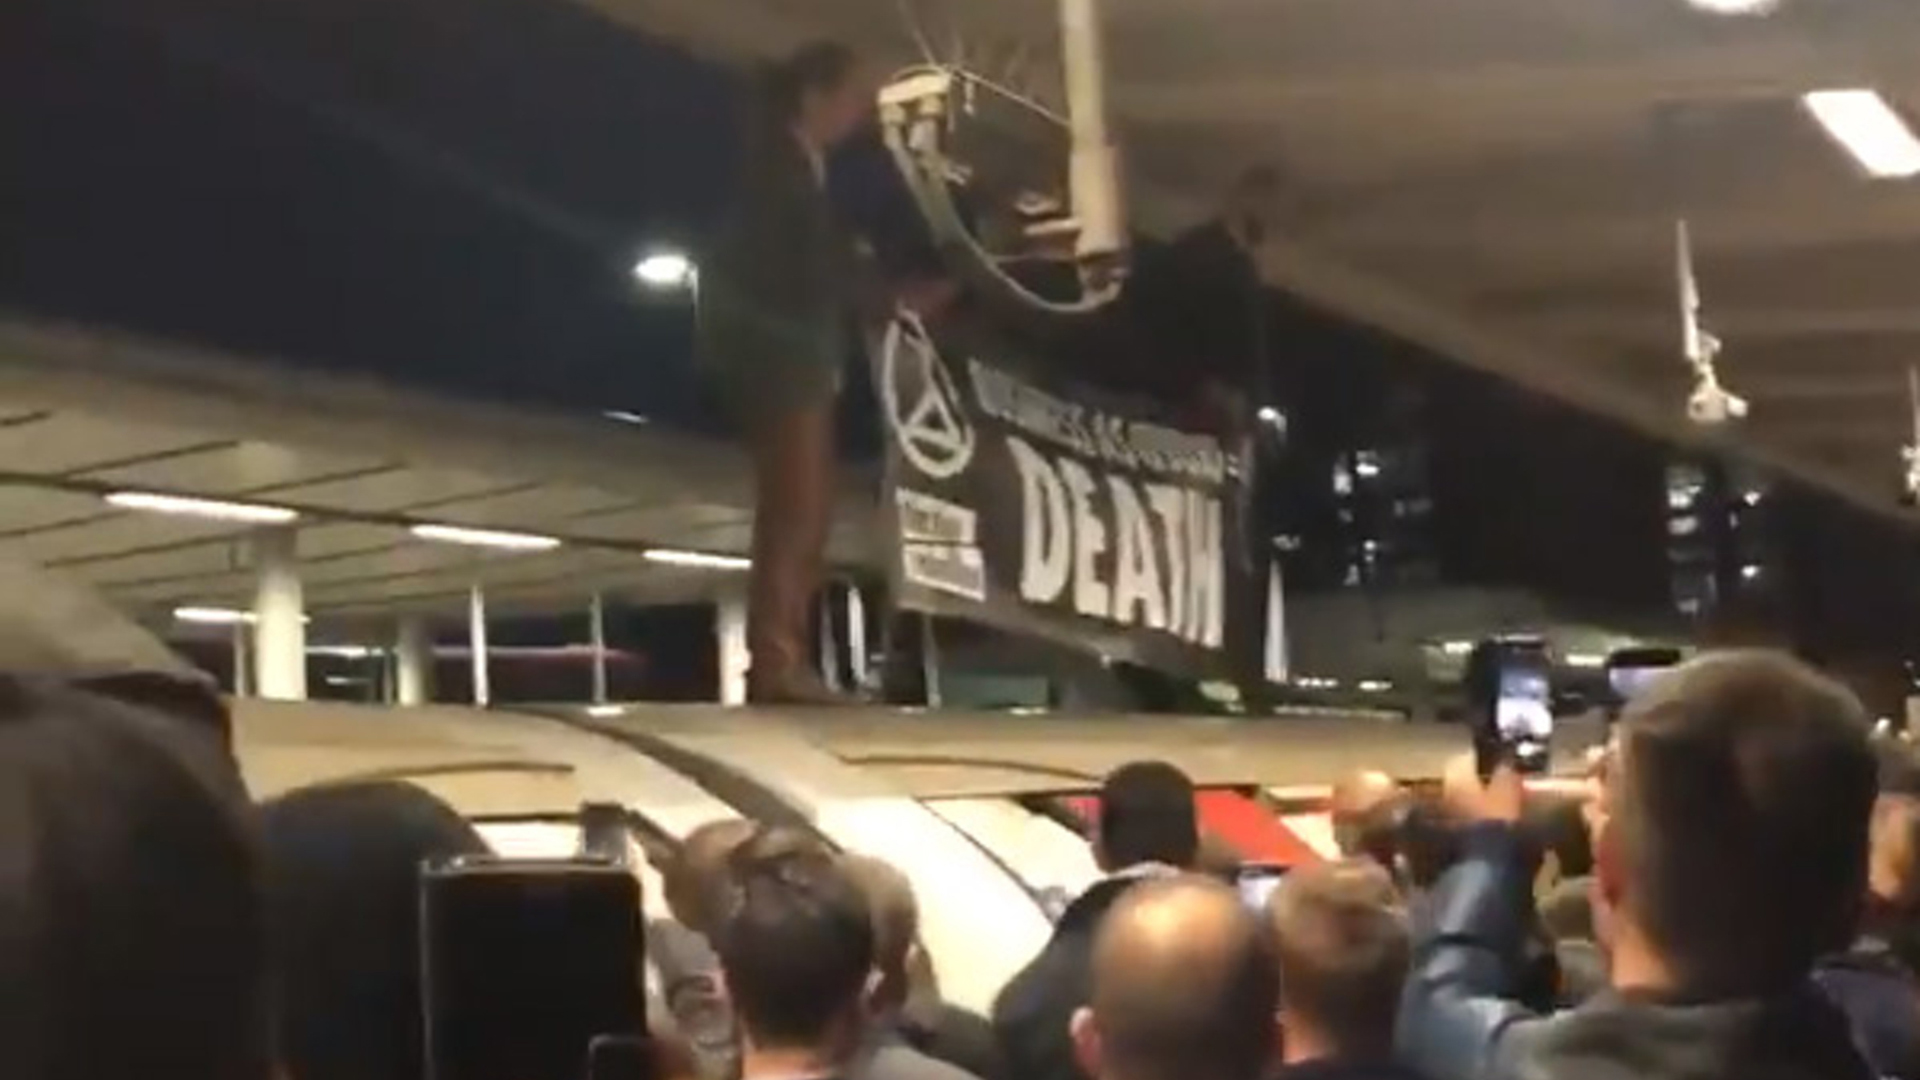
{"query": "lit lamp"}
(665, 270)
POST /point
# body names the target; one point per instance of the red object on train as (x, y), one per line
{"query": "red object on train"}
(1253, 830)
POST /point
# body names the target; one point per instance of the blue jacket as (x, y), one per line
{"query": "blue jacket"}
(1458, 1019)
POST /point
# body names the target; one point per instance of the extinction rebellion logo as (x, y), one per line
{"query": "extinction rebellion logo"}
(929, 419)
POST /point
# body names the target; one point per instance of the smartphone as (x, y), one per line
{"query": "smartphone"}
(1512, 682)
(527, 966)
(1257, 883)
(1631, 671)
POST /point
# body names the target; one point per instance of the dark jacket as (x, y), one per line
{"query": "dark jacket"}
(890, 1055)
(1033, 1011)
(1455, 1023)
(1882, 1003)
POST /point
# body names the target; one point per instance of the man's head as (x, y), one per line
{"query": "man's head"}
(1733, 837)
(1364, 808)
(132, 921)
(1185, 984)
(896, 925)
(1146, 816)
(695, 874)
(794, 934)
(1344, 949)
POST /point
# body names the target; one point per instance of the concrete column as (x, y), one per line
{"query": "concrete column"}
(413, 662)
(857, 637)
(279, 613)
(930, 660)
(1276, 629)
(597, 629)
(477, 643)
(730, 639)
(242, 675)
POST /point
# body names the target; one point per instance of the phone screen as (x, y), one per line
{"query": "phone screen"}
(1523, 709)
(1517, 724)
(526, 965)
(1257, 884)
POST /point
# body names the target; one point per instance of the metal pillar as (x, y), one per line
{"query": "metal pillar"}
(829, 642)
(413, 662)
(730, 639)
(477, 644)
(597, 627)
(930, 660)
(279, 612)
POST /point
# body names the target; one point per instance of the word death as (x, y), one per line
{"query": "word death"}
(1136, 554)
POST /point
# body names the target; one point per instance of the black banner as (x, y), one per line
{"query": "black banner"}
(1023, 501)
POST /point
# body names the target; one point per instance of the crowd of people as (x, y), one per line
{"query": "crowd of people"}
(1737, 898)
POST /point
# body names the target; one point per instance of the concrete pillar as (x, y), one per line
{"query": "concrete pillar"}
(1276, 629)
(477, 643)
(730, 639)
(597, 630)
(413, 662)
(857, 638)
(242, 673)
(279, 613)
(930, 660)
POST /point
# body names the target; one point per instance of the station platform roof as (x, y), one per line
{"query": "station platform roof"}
(1499, 179)
(86, 414)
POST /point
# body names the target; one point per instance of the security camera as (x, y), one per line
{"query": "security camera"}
(1710, 405)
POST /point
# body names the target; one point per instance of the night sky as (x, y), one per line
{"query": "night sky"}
(443, 194)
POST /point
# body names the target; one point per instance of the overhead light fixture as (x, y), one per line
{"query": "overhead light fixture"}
(665, 270)
(1586, 660)
(188, 506)
(1456, 648)
(1736, 7)
(699, 560)
(212, 616)
(487, 538)
(1375, 686)
(220, 616)
(606, 712)
(1867, 126)
(624, 417)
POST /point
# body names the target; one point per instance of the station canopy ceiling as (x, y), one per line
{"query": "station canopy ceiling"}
(86, 418)
(1499, 179)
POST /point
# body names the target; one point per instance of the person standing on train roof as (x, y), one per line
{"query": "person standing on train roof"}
(776, 306)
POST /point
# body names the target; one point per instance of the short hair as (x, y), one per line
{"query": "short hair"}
(895, 910)
(794, 934)
(343, 889)
(1742, 796)
(1185, 981)
(131, 915)
(1344, 949)
(1147, 816)
(697, 869)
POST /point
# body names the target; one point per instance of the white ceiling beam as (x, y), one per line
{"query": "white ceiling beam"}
(1776, 66)
(1731, 324)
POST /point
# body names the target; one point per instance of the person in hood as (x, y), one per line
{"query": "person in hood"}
(1147, 828)
(1730, 855)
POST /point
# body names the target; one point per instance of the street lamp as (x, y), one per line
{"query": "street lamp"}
(664, 270)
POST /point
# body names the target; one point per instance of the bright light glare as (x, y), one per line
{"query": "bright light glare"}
(1751, 572)
(606, 712)
(1375, 686)
(624, 417)
(212, 616)
(1862, 122)
(697, 559)
(510, 541)
(1269, 415)
(1586, 660)
(664, 270)
(1456, 648)
(1736, 7)
(253, 513)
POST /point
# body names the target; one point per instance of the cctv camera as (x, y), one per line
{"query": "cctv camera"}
(1710, 406)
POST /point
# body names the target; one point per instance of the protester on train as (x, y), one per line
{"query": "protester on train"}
(132, 926)
(678, 945)
(1731, 855)
(795, 938)
(776, 300)
(913, 1034)
(343, 887)
(1147, 828)
(1185, 985)
(1342, 940)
